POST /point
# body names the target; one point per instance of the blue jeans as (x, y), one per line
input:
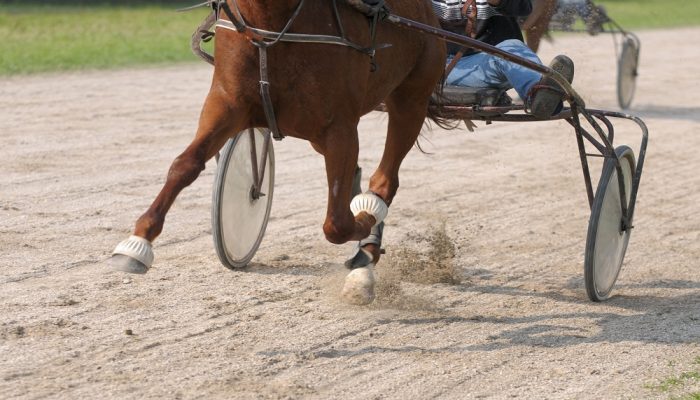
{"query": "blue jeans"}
(485, 70)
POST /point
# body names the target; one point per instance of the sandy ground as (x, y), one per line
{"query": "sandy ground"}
(83, 154)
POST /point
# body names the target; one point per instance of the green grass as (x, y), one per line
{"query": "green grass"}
(647, 14)
(49, 38)
(71, 35)
(691, 396)
(679, 383)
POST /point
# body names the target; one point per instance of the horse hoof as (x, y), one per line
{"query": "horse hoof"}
(122, 263)
(134, 255)
(359, 286)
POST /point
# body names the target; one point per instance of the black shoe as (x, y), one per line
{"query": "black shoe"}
(546, 95)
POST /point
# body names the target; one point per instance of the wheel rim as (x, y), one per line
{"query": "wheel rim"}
(239, 218)
(607, 242)
(627, 72)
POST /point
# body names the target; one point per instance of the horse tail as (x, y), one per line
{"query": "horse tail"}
(437, 111)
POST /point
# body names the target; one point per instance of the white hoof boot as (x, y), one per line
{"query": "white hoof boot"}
(371, 204)
(134, 255)
(359, 286)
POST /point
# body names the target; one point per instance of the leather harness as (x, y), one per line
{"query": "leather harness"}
(263, 39)
(469, 11)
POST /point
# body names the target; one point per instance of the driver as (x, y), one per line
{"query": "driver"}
(496, 25)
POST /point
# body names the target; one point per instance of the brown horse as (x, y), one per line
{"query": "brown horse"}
(319, 92)
(537, 23)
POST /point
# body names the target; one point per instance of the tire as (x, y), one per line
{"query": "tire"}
(238, 219)
(627, 72)
(606, 243)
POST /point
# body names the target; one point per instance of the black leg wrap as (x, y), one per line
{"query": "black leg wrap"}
(375, 235)
(357, 182)
(360, 257)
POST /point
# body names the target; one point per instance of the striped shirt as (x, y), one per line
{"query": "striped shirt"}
(494, 23)
(451, 10)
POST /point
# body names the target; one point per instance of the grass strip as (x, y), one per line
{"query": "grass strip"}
(65, 38)
(69, 35)
(652, 14)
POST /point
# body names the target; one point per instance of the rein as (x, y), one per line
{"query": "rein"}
(263, 39)
(469, 11)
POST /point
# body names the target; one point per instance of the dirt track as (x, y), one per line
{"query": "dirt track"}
(82, 156)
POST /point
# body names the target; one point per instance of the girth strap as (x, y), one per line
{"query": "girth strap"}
(262, 44)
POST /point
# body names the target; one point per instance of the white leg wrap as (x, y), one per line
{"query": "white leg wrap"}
(137, 248)
(359, 286)
(371, 204)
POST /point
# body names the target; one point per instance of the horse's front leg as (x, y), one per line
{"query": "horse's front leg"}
(216, 123)
(346, 220)
(349, 219)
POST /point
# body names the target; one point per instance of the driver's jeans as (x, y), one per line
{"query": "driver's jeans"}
(482, 70)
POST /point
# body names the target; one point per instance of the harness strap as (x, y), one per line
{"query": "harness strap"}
(469, 10)
(377, 8)
(376, 11)
(301, 38)
(454, 61)
(262, 44)
(263, 39)
(265, 95)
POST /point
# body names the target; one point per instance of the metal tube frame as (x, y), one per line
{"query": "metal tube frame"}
(258, 170)
(572, 115)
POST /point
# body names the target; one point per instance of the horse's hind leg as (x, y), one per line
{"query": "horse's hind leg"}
(537, 23)
(216, 123)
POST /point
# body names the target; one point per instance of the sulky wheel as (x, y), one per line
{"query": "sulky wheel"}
(608, 232)
(627, 71)
(239, 213)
